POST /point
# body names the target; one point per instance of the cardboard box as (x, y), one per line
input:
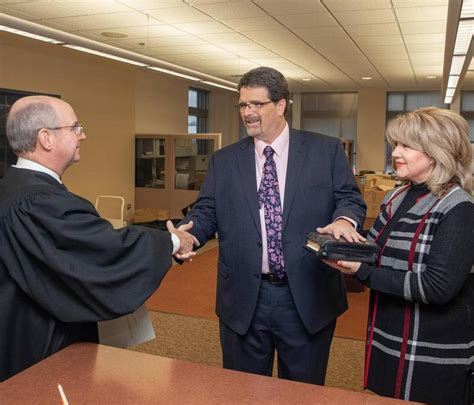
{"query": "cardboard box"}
(360, 180)
(382, 182)
(373, 198)
(376, 188)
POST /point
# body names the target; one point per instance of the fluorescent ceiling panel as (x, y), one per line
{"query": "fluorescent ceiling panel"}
(453, 81)
(171, 72)
(457, 64)
(29, 35)
(105, 55)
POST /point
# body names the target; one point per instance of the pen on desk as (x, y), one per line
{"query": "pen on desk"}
(63, 395)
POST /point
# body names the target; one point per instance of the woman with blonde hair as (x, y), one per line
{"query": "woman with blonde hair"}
(420, 340)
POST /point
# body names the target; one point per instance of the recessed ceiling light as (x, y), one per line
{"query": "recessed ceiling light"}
(366, 78)
(306, 79)
(113, 35)
(431, 77)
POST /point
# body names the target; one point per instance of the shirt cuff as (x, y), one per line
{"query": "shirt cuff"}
(356, 225)
(176, 244)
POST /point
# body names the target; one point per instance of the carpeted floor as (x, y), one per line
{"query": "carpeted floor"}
(197, 340)
(190, 290)
(186, 326)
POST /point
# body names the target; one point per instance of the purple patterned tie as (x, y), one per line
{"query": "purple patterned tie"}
(269, 198)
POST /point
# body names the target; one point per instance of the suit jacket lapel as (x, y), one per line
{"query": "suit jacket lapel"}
(246, 163)
(296, 154)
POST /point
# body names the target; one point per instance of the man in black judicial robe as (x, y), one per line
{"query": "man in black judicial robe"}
(62, 267)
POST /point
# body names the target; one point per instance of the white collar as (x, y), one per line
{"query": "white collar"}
(23, 163)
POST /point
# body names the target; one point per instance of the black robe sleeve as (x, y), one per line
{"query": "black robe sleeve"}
(73, 264)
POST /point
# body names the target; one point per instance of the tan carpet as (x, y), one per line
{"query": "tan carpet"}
(197, 340)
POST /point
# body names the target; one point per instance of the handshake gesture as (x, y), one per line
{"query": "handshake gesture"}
(186, 240)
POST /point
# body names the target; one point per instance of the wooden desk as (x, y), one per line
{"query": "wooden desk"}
(96, 374)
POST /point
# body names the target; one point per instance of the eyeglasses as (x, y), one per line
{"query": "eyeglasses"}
(253, 105)
(77, 128)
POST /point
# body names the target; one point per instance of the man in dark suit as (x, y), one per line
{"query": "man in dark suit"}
(262, 195)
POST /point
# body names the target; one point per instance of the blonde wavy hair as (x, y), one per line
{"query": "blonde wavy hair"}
(444, 136)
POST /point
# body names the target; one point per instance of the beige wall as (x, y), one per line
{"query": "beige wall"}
(223, 117)
(161, 104)
(102, 94)
(113, 101)
(371, 111)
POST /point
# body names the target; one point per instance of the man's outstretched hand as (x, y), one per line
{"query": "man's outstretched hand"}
(186, 240)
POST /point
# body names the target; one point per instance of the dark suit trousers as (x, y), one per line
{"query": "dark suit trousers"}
(276, 325)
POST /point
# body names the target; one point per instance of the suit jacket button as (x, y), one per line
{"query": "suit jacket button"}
(259, 244)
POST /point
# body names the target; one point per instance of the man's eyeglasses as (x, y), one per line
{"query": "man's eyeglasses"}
(253, 105)
(78, 128)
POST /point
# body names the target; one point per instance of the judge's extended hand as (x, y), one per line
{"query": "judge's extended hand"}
(343, 266)
(344, 228)
(186, 240)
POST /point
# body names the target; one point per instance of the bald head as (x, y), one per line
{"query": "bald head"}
(27, 116)
(44, 129)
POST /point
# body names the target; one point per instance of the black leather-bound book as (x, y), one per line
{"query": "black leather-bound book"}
(327, 247)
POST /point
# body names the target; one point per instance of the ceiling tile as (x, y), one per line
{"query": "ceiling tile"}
(178, 15)
(415, 48)
(241, 9)
(252, 24)
(203, 2)
(346, 5)
(16, 14)
(378, 57)
(92, 7)
(153, 42)
(151, 4)
(425, 39)
(41, 10)
(205, 49)
(319, 32)
(418, 3)
(371, 30)
(152, 31)
(256, 54)
(272, 35)
(381, 40)
(189, 33)
(298, 53)
(284, 7)
(427, 27)
(224, 38)
(278, 46)
(306, 20)
(339, 45)
(376, 49)
(393, 66)
(382, 16)
(243, 47)
(200, 28)
(104, 21)
(164, 30)
(189, 59)
(419, 14)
